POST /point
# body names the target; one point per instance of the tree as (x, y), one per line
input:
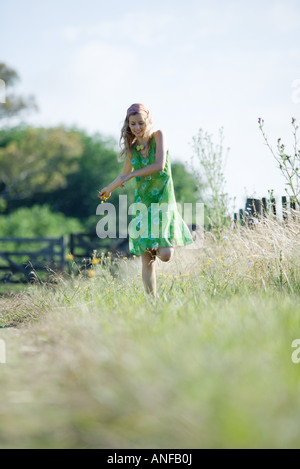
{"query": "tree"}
(212, 162)
(13, 105)
(97, 167)
(65, 169)
(36, 160)
(186, 187)
(289, 163)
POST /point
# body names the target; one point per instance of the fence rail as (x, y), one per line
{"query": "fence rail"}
(22, 255)
(19, 257)
(82, 245)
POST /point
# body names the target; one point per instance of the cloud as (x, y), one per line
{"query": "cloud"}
(95, 81)
(282, 15)
(99, 67)
(200, 64)
(139, 28)
(71, 33)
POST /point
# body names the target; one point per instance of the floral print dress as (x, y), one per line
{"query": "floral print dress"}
(157, 221)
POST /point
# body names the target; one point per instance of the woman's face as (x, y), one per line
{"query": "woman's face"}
(137, 124)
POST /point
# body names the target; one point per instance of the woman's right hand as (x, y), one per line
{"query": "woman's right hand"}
(104, 194)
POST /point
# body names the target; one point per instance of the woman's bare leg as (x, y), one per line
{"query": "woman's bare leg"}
(148, 272)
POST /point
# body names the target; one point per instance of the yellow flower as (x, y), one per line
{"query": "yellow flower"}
(95, 261)
(91, 273)
(70, 257)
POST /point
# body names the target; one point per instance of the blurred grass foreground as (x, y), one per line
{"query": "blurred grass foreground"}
(92, 362)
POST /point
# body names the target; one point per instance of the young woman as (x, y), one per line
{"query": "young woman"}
(159, 225)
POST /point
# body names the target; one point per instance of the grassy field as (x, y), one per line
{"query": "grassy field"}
(91, 362)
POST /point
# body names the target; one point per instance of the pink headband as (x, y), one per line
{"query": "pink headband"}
(137, 108)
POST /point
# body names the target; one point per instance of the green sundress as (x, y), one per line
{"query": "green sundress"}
(157, 221)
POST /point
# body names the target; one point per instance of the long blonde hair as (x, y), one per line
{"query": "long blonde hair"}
(127, 138)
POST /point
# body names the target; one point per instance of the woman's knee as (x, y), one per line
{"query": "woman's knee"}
(165, 254)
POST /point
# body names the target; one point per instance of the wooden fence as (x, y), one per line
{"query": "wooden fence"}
(21, 258)
(82, 245)
(264, 206)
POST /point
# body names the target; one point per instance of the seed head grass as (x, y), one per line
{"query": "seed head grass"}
(94, 362)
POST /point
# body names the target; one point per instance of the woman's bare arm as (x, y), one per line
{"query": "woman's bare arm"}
(118, 182)
(127, 173)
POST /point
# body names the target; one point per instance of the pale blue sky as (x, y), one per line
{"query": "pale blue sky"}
(195, 64)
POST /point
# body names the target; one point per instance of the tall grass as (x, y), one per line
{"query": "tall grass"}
(95, 363)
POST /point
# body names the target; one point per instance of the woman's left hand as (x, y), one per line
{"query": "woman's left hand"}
(104, 194)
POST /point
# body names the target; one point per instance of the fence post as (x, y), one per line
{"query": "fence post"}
(264, 206)
(293, 208)
(284, 209)
(72, 243)
(293, 204)
(254, 207)
(242, 216)
(273, 205)
(63, 243)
